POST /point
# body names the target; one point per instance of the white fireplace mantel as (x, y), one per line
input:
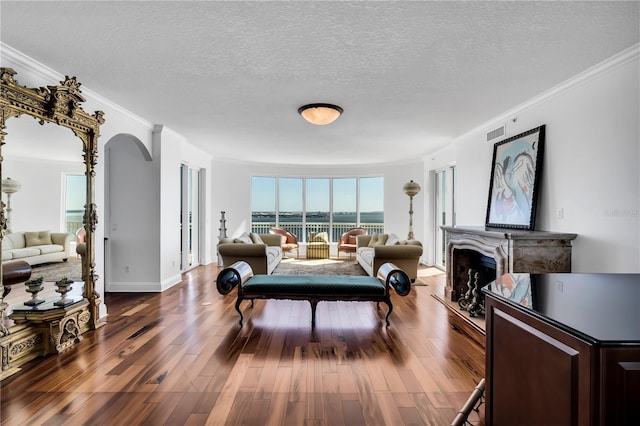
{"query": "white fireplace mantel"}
(513, 251)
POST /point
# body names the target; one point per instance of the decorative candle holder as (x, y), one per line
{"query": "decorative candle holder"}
(34, 287)
(63, 286)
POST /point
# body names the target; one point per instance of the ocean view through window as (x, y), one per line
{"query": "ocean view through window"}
(310, 205)
(74, 201)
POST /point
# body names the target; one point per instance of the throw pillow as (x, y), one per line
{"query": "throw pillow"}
(245, 238)
(382, 239)
(378, 240)
(255, 238)
(392, 240)
(37, 238)
(318, 237)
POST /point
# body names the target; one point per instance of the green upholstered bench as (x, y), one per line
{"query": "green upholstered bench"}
(313, 288)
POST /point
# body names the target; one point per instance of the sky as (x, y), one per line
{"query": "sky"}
(318, 190)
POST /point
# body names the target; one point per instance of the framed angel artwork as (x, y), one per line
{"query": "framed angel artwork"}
(515, 179)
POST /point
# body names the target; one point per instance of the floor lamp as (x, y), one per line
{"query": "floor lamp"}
(411, 189)
(9, 186)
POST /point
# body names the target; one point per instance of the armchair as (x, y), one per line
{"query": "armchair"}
(291, 241)
(348, 240)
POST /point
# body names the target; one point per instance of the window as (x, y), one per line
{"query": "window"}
(345, 207)
(263, 203)
(318, 206)
(306, 205)
(371, 200)
(74, 200)
(290, 200)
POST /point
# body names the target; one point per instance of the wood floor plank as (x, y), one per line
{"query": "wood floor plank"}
(180, 357)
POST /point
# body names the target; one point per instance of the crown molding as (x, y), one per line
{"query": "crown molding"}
(14, 58)
(630, 54)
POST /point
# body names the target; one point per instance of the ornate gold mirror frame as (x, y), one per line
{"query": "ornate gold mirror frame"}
(55, 330)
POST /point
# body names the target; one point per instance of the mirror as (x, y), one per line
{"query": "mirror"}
(44, 163)
(51, 327)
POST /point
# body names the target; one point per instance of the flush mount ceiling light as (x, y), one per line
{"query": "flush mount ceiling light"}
(320, 114)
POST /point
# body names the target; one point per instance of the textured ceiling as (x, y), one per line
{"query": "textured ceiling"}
(230, 76)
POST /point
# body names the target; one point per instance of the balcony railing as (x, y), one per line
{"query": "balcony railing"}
(72, 227)
(301, 231)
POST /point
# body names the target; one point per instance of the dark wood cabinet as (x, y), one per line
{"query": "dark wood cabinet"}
(563, 349)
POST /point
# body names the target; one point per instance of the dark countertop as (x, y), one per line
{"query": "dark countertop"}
(603, 309)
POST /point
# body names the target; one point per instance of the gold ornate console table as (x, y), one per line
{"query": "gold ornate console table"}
(43, 329)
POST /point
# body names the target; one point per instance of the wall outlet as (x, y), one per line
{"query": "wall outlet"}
(560, 213)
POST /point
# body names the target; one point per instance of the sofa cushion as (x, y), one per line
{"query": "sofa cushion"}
(392, 240)
(16, 240)
(244, 238)
(48, 248)
(255, 238)
(273, 253)
(366, 254)
(37, 238)
(6, 244)
(378, 240)
(7, 255)
(25, 252)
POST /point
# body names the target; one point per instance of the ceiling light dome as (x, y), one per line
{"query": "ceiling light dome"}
(320, 114)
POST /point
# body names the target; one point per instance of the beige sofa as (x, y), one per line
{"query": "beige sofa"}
(263, 252)
(374, 250)
(37, 247)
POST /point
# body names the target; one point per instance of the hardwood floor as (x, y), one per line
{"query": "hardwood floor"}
(180, 358)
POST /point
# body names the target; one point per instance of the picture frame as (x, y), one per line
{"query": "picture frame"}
(516, 168)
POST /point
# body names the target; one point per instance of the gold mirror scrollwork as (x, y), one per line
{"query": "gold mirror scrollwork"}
(60, 105)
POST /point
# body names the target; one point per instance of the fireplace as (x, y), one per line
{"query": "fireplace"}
(474, 270)
(494, 252)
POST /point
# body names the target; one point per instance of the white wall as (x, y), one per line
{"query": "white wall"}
(134, 216)
(232, 191)
(440, 159)
(38, 205)
(196, 158)
(590, 169)
(144, 210)
(172, 150)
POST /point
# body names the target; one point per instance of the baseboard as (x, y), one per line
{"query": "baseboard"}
(171, 281)
(134, 287)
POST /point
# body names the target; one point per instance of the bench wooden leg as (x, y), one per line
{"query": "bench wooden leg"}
(388, 302)
(314, 303)
(238, 301)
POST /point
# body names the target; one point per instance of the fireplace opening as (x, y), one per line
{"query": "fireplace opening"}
(473, 271)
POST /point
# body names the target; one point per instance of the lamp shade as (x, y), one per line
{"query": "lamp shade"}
(9, 186)
(411, 188)
(320, 114)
